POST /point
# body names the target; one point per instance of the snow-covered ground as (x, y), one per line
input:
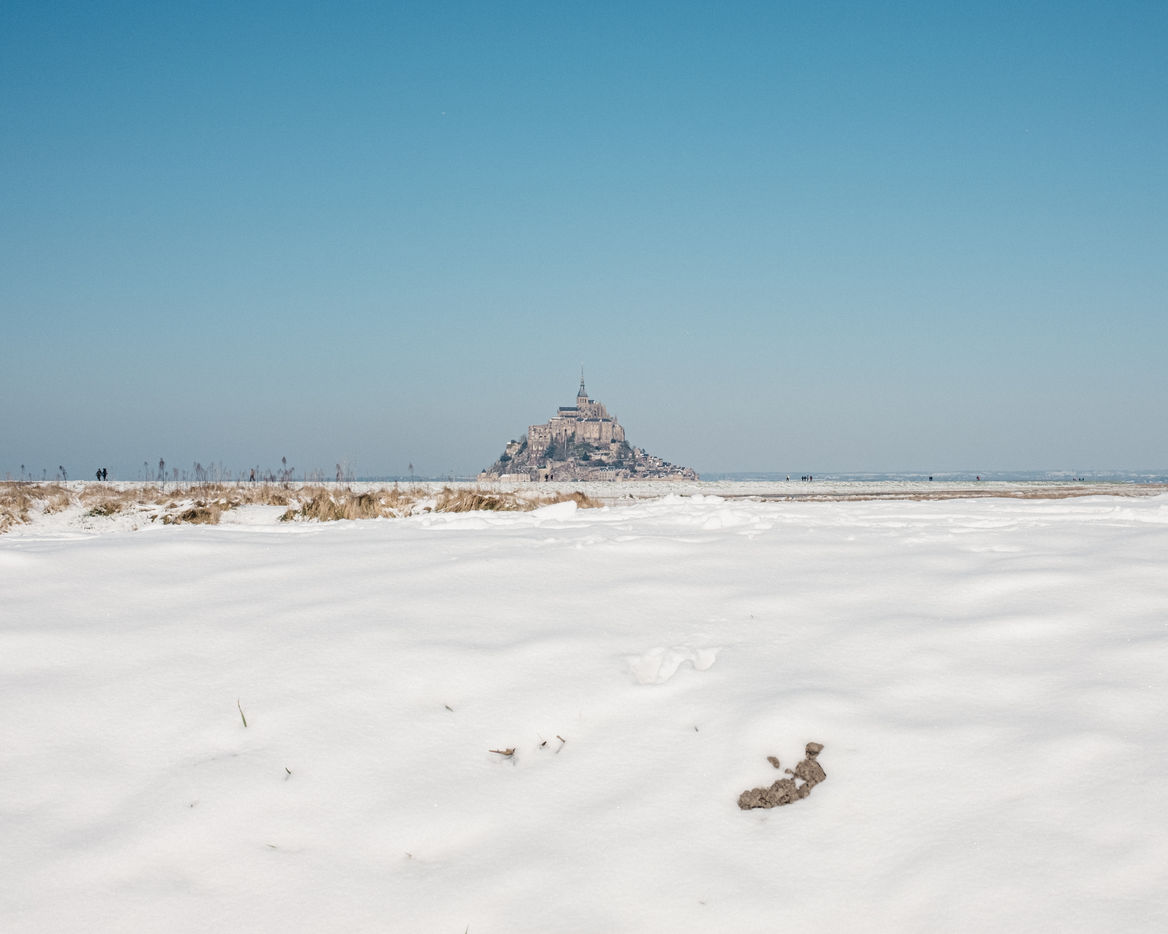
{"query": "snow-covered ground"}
(987, 677)
(833, 489)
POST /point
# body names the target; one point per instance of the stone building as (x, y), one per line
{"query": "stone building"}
(586, 421)
(580, 442)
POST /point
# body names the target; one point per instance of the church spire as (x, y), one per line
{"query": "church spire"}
(582, 393)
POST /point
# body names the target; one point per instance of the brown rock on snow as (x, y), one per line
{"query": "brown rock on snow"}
(786, 790)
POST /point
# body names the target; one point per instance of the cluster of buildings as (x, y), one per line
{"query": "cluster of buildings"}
(580, 442)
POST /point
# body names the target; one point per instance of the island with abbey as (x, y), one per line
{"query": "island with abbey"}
(580, 442)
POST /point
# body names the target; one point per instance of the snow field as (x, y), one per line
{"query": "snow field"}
(986, 676)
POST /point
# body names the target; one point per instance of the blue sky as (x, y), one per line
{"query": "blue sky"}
(779, 236)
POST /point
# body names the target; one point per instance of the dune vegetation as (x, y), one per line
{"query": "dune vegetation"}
(205, 503)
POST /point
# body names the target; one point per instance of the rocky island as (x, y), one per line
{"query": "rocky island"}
(580, 442)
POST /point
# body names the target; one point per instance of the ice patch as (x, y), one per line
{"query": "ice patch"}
(660, 664)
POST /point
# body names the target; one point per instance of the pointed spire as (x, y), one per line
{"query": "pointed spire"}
(582, 393)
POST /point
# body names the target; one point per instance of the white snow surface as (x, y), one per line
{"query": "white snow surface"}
(987, 678)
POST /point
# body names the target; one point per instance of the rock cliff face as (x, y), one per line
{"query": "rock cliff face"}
(580, 442)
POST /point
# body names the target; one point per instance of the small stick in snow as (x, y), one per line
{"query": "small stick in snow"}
(448, 707)
(289, 771)
(505, 753)
(563, 743)
(241, 716)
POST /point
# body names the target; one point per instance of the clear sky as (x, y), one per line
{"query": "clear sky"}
(810, 236)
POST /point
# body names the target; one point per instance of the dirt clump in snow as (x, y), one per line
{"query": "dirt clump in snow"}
(807, 775)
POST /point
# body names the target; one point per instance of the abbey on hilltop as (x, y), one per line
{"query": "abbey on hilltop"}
(580, 442)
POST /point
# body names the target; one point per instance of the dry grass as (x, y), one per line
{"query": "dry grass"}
(205, 503)
(472, 500)
(107, 501)
(108, 507)
(210, 500)
(450, 500)
(19, 500)
(581, 501)
(199, 514)
(321, 504)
